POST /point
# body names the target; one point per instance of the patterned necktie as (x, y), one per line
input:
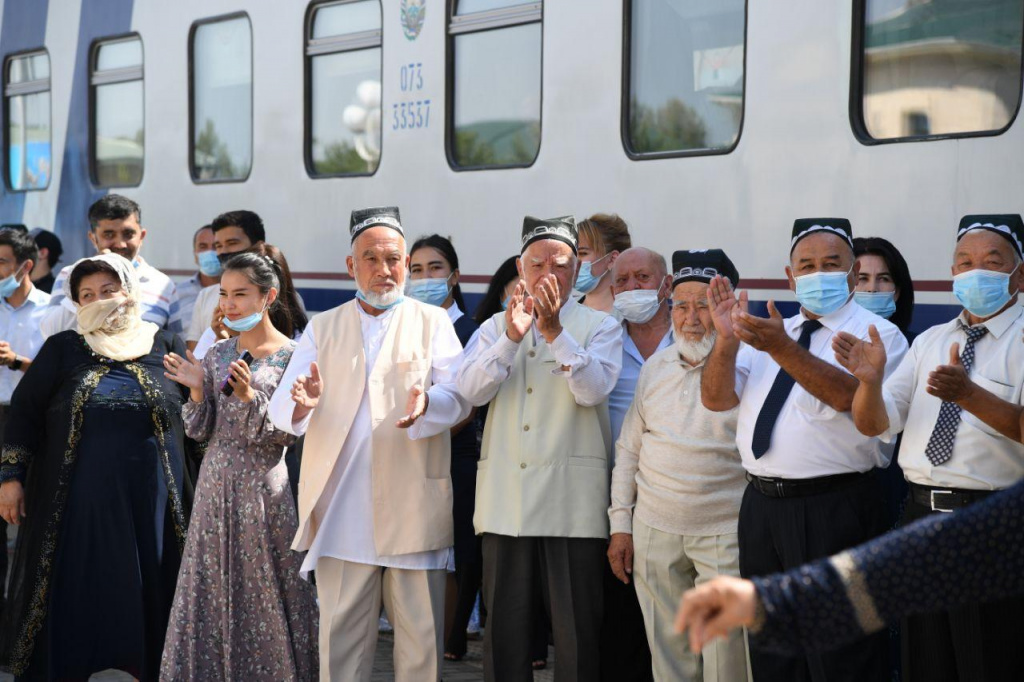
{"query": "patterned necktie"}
(940, 445)
(777, 395)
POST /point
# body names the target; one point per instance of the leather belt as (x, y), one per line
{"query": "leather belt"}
(802, 487)
(946, 499)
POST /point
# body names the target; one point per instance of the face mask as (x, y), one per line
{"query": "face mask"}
(585, 281)
(101, 315)
(506, 301)
(638, 305)
(244, 324)
(379, 306)
(982, 292)
(223, 258)
(881, 303)
(209, 264)
(9, 285)
(823, 292)
(433, 291)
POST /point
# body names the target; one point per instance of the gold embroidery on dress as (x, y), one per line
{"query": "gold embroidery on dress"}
(36, 611)
(15, 454)
(857, 592)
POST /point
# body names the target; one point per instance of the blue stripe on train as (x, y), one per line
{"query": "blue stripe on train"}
(98, 19)
(23, 28)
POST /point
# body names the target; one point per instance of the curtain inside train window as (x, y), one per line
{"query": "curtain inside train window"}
(27, 100)
(117, 131)
(939, 68)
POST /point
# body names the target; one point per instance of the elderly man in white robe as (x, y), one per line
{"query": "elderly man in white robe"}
(371, 384)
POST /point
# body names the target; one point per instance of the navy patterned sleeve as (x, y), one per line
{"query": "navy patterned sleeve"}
(937, 563)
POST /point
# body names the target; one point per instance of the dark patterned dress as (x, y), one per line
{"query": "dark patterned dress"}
(241, 611)
(975, 555)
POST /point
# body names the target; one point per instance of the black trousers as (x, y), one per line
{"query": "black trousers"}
(570, 572)
(973, 643)
(625, 653)
(777, 534)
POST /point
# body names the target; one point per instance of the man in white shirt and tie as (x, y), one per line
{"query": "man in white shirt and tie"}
(957, 399)
(812, 490)
(371, 384)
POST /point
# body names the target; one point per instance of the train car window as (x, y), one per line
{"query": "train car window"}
(28, 131)
(343, 88)
(494, 84)
(117, 131)
(696, 106)
(221, 99)
(933, 70)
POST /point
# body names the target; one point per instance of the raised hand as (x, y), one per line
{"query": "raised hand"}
(950, 382)
(12, 502)
(764, 334)
(519, 314)
(306, 390)
(415, 407)
(548, 301)
(715, 608)
(186, 371)
(863, 359)
(620, 556)
(721, 301)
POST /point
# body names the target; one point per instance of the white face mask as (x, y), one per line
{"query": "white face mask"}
(638, 305)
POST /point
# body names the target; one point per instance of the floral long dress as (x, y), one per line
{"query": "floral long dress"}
(241, 610)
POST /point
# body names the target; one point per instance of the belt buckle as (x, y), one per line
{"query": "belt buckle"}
(931, 499)
(779, 489)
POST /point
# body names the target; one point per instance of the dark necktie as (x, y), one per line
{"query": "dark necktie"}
(776, 398)
(940, 445)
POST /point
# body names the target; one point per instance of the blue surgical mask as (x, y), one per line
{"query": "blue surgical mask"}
(506, 301)
(8, 285)
(432, 291)
(244, 324)
(585, 280)
(822, 293)
(362, 298)
(982, 292)
(209, 264)
(881, 303)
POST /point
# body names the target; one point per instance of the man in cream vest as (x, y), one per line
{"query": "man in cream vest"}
(371, 384)
(546, 366)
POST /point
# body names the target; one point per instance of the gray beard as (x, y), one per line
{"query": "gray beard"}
(382, 300)
(695, 352)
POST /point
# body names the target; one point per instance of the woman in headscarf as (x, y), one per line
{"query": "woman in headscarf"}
(92, 471)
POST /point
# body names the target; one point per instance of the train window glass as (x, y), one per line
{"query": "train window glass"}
(934, 69)
(343, 104)
(221, 85)
(697, 106)
(495, 84)
(27, 100)
(118, 124)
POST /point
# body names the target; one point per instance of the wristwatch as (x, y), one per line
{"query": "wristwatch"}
(16, 365)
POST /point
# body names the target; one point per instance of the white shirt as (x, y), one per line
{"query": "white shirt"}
(592, 372)
(982, 458)
(20, 328)
(346, 532)
(205, 304)
(621, 396)
(158, 298)
(811, 439)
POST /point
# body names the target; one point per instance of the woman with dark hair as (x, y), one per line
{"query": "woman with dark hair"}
(434, 280)
(883, 285)
(503, 283)
(241, 611)
(93, 465)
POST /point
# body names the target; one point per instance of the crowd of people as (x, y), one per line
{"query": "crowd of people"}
(208, 483)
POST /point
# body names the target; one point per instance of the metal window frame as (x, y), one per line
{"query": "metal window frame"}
(192, 97)
(624, 110)
(858, 126)
(312, 48)
(16, 90)
(480, 22)
(111, 77)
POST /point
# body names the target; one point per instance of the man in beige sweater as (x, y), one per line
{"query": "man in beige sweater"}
(678, 482)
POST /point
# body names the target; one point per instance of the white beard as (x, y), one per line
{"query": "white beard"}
(695, 352)
(383, 300)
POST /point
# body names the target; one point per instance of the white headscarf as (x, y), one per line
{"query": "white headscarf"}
(114, 328)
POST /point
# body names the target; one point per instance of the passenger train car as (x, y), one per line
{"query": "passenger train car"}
(702, 122)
